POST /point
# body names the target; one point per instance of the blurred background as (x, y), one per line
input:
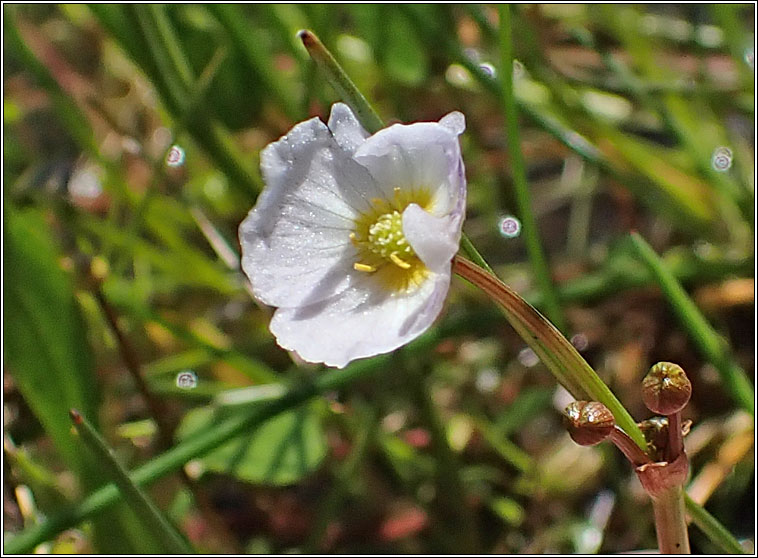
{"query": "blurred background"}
(131, 137)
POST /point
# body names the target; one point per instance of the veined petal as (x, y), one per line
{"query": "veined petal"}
(362, 321)
(295, 242)
(424, 155)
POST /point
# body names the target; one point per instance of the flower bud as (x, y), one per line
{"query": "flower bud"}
(655, 430)
(588, 422)
(666, 388)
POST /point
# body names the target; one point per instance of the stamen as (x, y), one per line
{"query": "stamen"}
(398, 262)
(364, 267)
(378, 238)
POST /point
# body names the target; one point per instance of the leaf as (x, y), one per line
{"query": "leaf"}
(46, 351)
(280, 451)
(45, 341)
(151, 517)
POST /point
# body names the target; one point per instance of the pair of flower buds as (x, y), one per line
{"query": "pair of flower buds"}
(666, 390)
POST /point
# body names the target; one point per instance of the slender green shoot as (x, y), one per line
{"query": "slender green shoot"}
(553, 349)
(451, 493)
(523, 197)
(330, 505)
(171, 42)
(474, 254)
(710, 343)
(712, 528)
(144, 508)
(341, 82)
(247, 40)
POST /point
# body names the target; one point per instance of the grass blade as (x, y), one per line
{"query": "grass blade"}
(248, 42)
(147, 512)
(344, 86)
(713, 346)
(716, 532)
(518, 169)
(208, 440)
(555, 351)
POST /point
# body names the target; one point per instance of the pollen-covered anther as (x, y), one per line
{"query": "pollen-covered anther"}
(385, 237)
(364, 267)
(398, 262)
(383, 248)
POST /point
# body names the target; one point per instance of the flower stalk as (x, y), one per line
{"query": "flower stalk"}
(555, 351)
(670, 521)
(666, 390)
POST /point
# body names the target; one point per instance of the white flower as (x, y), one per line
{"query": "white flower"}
(353, 236)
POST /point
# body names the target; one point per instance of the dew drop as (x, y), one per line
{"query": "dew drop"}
(186, 380)
(488, 69)
(85, 183)
(175, 156)
(509, 226)
(579, 341)
(722, 159)
(487, 380)
(472, 54)
(518, 70)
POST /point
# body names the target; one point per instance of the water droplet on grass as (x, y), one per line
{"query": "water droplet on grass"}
(186, 380)
(509, 226)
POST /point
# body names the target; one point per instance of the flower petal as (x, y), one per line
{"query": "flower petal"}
(455, 122)
(434, 239)
(422, 155)
(346, 129)
(295, 242)
(362, 321)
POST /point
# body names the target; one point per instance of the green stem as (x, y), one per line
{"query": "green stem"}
(716, 532)
(175, 89)
(248, 41)
(510, 452)
(171, 43)
(555, 351)
(670, 524)
(338, 79)
(474, 254)
(145, 510)
(518, 168)
(713, 346)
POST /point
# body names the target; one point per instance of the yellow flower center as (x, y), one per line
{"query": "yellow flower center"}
(383, 250)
